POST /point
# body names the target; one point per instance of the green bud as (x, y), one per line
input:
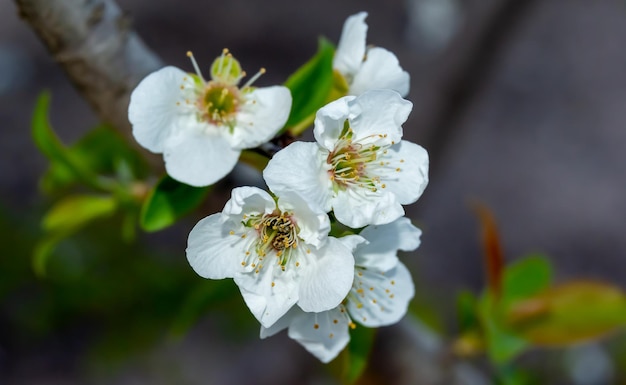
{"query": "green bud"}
(226, 69)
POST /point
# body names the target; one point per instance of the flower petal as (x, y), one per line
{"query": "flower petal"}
(352, 242)
(379, 112)
(323, 334)
(359, 207)
(282, 324)
(199, 157)
(264, 114)
(153, 109)
(381, 70)
(312, 220)
(412, 162)
(268, 295)
(328, 277)
(211, 251)
(249, 200)
(329, 121)
(351, 47)
(382, 299)
(380, 253)
(299, 167)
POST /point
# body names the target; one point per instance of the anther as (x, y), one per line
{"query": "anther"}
(195, 66)
(254, 78)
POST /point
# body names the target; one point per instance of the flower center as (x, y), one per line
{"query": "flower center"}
(219, 100)
(354, 163)
(279, 231)
(277, 234)
(220, 103)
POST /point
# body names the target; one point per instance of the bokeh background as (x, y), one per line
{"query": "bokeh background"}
(521, 105)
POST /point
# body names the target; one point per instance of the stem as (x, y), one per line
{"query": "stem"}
(94, 44)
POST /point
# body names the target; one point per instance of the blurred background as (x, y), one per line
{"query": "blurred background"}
(521, 105)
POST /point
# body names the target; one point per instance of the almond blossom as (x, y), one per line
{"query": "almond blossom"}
(277, 250)
(202, 125)
(366, 68)
(360, 167)
(379, 296)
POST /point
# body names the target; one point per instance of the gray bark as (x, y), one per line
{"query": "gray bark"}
(93, 42)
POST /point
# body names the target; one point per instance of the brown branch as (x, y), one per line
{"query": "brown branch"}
(93, 42)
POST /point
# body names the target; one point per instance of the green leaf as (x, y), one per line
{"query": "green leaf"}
(511, 375)
(311, 84)
(355, 357)
(521, 279)
(502, 345)
(102, 151)
(467, 306)
(65, 218)
(50, 145)
(169, 201)
(76, 211)
(526, 277)
(569, 313)
(42, 252)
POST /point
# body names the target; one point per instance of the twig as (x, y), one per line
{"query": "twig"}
(93, 42)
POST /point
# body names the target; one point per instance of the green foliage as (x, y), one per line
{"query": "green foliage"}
(501, 344)
(510, 375)
(102, 151)
(526, 277)
(310, 86)
(521, 279)
(531, 312)
(355, 356)
(101, 161)
(168, 201)
(65, 218)
(50, 145)
(466, 311)
(75, 211)
(569, 313)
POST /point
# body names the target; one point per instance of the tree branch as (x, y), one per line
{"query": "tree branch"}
(93, 42)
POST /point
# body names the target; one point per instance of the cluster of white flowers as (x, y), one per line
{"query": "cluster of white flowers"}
(277, 246)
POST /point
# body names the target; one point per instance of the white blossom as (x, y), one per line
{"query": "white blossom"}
(366, 68)
(201, 125)
(360, 167)
(278, 252)
(379, 296)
